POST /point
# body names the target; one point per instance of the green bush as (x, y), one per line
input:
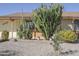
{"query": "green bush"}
(29, 34)
(20, 34)
(5, 35)
(25, 30)
(67, 36)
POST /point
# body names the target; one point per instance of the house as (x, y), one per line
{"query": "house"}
(11, 22)
(70, 21)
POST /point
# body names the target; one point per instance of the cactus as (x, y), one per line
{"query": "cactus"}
(47, 19)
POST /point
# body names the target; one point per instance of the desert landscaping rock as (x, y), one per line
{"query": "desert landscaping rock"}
(35, 48)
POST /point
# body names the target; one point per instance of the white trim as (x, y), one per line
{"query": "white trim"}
(10, 35)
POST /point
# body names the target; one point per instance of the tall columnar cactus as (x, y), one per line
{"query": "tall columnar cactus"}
(47, 18)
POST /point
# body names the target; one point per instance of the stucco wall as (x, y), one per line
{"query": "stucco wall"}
(9, 25)
(10, 35)
(37, 35)
(67, 24)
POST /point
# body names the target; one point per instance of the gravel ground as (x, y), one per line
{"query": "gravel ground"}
(36, 48)
(26, 48)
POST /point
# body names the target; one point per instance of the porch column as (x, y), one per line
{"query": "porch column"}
(12, 26)
(74, 27)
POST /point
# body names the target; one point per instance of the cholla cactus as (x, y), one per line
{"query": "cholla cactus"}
(47, 18)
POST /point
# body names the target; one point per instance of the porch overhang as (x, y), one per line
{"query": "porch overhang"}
(70, 18)
(70, 15)
(15, 18)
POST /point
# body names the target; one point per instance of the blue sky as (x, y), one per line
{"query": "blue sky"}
(7, 8)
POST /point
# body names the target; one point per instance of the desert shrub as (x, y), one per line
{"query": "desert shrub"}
(26, 33)
(5, 35)
(25, 29)
(19, 33)
(66, 36)
(29, 35)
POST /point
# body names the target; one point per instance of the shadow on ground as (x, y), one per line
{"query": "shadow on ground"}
(8, 53)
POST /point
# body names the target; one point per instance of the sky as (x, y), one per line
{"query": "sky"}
(8, 8)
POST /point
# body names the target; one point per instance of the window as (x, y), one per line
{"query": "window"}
(76, 22)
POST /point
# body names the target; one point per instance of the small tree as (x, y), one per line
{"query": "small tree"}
(47, 18)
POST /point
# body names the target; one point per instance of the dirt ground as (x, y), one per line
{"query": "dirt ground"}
(35, 48)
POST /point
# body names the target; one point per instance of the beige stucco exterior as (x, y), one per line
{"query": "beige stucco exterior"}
(67, 24)
(12, 22)
(38, 36)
